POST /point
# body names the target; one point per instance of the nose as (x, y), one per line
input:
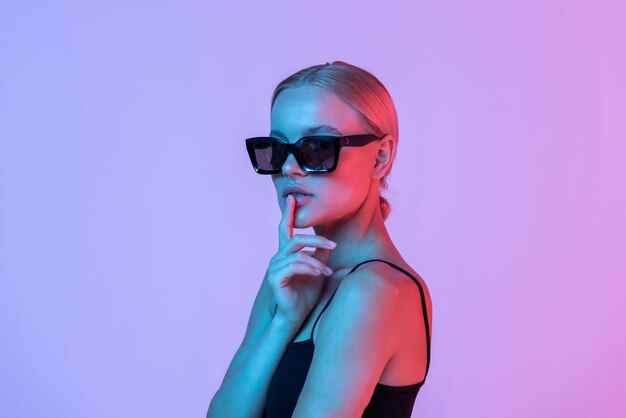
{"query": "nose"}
(291, 166)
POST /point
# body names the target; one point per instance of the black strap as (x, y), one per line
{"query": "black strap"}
(424, 309)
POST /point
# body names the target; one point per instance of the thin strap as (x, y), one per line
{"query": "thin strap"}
(424, 309)
(323, 309)
(331, 298)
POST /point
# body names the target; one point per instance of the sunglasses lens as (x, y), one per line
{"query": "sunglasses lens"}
(269, 155)
(319, 154)
(315, 154)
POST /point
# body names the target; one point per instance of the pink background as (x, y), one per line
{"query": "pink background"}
(134, 232)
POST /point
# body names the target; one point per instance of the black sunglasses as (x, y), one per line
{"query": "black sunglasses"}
(315, 154)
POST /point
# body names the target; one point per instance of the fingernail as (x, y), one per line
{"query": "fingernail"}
(328, 271)
(331, 244)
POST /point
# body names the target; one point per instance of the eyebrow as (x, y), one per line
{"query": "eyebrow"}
(311, 131)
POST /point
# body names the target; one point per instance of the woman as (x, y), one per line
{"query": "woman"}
(334, 135)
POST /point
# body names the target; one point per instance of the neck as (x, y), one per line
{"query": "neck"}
(359, 236)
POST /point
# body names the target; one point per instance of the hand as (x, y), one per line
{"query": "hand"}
(296, 277)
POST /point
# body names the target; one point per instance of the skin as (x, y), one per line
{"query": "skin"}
(345, 210)
(345, 206)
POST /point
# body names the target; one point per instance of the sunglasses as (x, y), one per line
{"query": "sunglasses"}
(315, 154)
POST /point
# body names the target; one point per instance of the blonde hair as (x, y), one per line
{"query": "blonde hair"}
(363, 92)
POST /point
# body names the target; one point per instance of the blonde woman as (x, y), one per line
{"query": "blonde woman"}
(344, 330)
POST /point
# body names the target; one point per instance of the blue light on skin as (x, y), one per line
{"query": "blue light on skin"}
(345, 203)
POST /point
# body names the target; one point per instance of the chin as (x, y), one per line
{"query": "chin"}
(302, 223)
(305, 219)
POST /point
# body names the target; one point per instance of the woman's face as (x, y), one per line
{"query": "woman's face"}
(309, 110)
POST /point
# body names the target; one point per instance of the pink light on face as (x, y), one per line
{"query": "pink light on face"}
(126, 202)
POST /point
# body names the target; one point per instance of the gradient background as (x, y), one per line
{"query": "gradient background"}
(134, 232)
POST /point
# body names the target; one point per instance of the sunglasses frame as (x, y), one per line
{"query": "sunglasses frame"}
(288, 148)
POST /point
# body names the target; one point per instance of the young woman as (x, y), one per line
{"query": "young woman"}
(334, 135)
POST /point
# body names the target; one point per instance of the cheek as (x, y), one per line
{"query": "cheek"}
(346, 192)
(353, 177)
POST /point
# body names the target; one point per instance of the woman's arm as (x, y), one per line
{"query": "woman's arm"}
(354, 343)
(244, 388)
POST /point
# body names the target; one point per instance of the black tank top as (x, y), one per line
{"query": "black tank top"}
(288, 380)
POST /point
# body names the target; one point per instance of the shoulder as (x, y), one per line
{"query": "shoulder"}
(366, 299)
(378, 285)
(381, 278)
(369, 283)
(355, 341)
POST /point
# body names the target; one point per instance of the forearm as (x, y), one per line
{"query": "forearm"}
(244, 393)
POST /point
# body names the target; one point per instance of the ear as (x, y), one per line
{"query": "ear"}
(384, 156)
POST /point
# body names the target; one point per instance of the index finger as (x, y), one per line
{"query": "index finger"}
(285, 228)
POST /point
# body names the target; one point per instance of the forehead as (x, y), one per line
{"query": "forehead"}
(298, 110)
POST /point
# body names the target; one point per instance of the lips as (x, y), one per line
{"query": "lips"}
(296, 190)
(301, 199)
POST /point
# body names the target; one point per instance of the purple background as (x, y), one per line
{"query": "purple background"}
(134, 232)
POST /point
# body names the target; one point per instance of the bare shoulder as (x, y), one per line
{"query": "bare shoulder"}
(373, 300)
(369, 277)
(382, 274)
(365, 315)
(375, 283)
(375, 277)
